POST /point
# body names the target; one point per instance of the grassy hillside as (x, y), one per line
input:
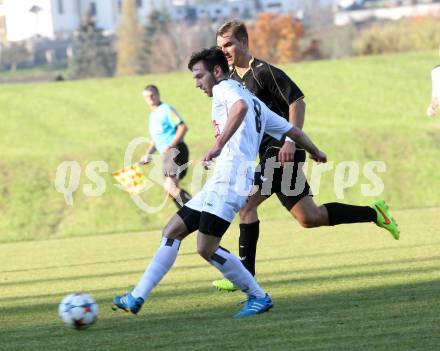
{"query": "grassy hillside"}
(333, 289)
(363, 109)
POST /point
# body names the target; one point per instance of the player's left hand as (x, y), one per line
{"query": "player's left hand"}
(210, 155)
(321, 157)
(286, 153)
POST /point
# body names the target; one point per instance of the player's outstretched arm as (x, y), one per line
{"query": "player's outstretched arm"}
(236, 115)
(297, 111)
(303, 140)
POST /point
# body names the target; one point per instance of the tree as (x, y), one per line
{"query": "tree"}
(93, 55)
(276, 37)
(13, 55)
(129, 44)
(157, 23)
(173, 42)
(290, 33)
(263, 35)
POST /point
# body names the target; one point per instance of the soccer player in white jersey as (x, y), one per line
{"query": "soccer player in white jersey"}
(240, 120)
(435, 96)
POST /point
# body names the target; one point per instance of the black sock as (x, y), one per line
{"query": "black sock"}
(182, 198)
(341, 213)
(249, 234)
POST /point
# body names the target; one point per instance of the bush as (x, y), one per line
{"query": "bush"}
(422, 33)
(14, 55)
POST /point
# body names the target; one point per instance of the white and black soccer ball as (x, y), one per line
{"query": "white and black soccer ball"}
(78, 310)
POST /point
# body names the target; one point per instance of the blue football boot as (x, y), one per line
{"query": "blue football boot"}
(255, 306)
(128, 303)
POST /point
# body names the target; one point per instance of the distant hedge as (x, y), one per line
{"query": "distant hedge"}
(421, 33)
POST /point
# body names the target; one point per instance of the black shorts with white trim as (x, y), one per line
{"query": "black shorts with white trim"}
(205, 222)
(288, 183)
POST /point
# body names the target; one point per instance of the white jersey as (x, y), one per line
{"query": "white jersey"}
(259, 119)
(227, 190)
(435, 75)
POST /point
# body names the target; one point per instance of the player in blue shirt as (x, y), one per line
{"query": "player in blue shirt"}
(167, 130)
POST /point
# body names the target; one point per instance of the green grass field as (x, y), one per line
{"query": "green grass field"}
(360, 109)
(342, 288)
(35, 72)
(335, 288)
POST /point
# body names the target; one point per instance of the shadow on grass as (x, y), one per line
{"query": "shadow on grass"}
(398, 317)
(92, 263)
(148, 258)
(261, 276)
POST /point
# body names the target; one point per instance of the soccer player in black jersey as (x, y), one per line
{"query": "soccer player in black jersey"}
(282, 95)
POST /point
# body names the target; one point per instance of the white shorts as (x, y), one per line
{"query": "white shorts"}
(224, 194)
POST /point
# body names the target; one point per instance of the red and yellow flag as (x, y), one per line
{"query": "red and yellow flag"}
(131, 178)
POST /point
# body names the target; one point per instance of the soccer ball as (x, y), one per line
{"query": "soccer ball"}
(78, 310)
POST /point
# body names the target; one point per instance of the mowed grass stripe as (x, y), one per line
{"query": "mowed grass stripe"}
(347, 287)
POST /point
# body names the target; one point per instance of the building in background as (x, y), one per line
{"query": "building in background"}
(2, 22)
(57, 19)
(53, 18)
(362, 11)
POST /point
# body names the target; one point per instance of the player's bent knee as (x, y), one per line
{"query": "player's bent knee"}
(205, 252)
(305, 224)
(309, 221)
(174, 230)
(167, 231)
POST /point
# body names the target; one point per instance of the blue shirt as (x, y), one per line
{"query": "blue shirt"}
(163, 124)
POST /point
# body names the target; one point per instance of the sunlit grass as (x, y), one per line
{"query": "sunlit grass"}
(359, 109)
(345, 287)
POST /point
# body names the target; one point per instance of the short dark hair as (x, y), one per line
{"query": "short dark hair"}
(236, 28)
(152, 88)
(210, 57)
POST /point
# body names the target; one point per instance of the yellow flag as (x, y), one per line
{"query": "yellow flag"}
(131, 178)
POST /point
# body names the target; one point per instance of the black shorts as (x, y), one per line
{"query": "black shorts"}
(206, 222)
(286, 182)
(175, 166)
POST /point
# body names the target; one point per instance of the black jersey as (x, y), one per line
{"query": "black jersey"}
(272, 86)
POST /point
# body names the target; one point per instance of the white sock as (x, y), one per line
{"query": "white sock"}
(159, 266)
(233, 269)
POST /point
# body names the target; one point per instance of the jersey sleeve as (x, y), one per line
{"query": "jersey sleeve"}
(228, 93)
(276, 126)
(280, 85)
(174, 119)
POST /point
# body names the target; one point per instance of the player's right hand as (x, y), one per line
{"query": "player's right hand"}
(210, 155)
(320, 157)
(286, 153)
